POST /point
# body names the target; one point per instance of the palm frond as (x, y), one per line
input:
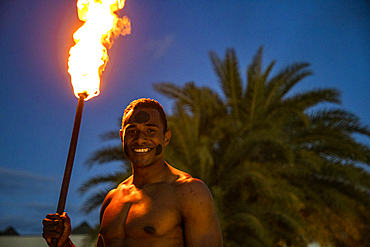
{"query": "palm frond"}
(229, 79)
(253, 228)
(339, 119)
(107, 154)
(94, 201)
(112, 179)
(172, 91)
(109, 135)
(305, 100)
(255, 92)
(278, 86)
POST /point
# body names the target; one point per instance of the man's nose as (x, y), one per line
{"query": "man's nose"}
(141, 137)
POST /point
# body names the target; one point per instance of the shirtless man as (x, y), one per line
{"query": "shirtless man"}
(158, 205)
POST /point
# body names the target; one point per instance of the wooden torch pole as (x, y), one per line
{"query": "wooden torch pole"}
(70, 159)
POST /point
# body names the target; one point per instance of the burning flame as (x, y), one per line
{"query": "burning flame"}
(89, 56)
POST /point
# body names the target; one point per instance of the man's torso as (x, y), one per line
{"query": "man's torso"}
(147, 216)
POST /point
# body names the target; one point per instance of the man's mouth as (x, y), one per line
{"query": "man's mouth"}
(142, 150)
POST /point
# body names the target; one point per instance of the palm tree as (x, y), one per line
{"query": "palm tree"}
(257, 146)
(218, 147)
(280, 167)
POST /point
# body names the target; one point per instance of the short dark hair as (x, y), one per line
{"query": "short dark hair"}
(146, 103)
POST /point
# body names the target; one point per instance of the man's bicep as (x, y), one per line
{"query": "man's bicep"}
(201, 226)
(106, 202)
(108, 198)
(202, 234)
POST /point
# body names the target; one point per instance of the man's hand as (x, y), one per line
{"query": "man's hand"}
(57, 226)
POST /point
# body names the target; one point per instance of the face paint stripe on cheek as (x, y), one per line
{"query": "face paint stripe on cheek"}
(141, 117)
(158, 149)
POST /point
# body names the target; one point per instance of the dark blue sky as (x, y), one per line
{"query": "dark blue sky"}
(170, 41)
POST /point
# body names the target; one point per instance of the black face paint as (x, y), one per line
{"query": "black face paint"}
(149, 229)
(158, 149)
(141, 117)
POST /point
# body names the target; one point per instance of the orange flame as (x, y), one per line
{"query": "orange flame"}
(89, 56)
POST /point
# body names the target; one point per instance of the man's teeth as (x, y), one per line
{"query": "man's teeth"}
(142, 150)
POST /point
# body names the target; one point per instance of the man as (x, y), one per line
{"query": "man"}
(158, 205)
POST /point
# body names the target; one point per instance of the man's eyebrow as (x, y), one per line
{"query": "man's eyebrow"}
(135, 125)
(152, 125)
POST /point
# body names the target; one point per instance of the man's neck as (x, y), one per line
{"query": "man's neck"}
(150, 174)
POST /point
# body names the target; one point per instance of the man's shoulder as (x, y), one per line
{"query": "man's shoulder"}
(185, 180)
(190, 189)
(112, 193)
(123, 185)
(191, 184)
(194, 196)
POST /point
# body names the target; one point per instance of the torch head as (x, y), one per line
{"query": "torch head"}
(89, 56)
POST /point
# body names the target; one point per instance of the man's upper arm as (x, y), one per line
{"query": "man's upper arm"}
(106, 202)
(201, 225)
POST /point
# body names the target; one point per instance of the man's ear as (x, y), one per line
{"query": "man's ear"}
(121, 134)
(167, 137)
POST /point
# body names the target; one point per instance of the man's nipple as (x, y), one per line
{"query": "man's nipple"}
(149, 229)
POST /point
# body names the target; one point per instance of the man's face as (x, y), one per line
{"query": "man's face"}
(143, 137)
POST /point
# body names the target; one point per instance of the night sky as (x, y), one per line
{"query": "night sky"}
(170, 42)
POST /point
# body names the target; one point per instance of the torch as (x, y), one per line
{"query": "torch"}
(87, 60)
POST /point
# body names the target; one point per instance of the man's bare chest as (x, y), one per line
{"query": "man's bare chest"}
(135, 213)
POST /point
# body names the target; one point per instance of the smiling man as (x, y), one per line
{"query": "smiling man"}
(158, 205)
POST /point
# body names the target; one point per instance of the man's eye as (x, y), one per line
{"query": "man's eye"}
(151, 130)
(131, 131)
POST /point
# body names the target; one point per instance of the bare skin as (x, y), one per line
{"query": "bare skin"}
(171, 212)
(57, 226)
(158, 205)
